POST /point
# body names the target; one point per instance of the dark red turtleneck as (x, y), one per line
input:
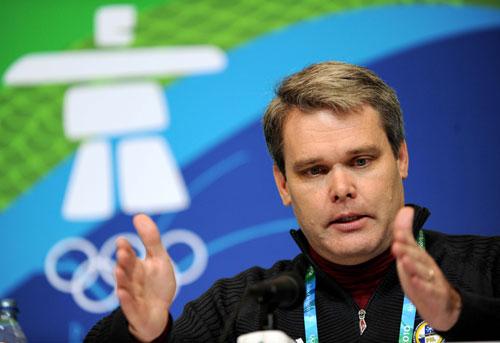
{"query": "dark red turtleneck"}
(359, 280)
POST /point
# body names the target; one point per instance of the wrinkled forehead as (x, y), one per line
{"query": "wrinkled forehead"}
(306, 133)
(325, 117)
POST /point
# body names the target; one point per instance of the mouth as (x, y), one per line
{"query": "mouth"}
(348, 222)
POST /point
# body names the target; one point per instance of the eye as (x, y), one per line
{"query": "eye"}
(361, 161)
(315, 170)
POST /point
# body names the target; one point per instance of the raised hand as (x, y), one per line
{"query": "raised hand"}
(146, 287)
(422, 280)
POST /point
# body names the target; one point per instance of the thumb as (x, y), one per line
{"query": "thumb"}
(403, 225)
(150, 235)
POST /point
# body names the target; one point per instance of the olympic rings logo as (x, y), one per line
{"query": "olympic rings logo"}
(101, 263)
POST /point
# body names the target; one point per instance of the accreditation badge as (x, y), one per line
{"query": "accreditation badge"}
(425, 334)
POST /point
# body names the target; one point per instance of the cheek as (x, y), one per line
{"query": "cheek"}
(392, 192)
(307, 207)
(383, 187)
(389, 172)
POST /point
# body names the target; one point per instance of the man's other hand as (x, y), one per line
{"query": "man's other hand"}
(145, 287)
(422, 280)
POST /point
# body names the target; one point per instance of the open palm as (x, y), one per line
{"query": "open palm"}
(145, 287)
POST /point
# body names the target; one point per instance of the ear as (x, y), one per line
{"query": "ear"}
(403, 160)
(281, 184)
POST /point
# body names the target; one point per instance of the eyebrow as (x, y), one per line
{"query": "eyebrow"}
(299, 165)
(364, 149)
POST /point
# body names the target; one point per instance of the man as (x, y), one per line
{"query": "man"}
(335, 132)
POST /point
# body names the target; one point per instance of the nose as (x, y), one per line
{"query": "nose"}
(341, 185)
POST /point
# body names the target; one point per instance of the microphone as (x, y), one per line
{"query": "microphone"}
(284, 291)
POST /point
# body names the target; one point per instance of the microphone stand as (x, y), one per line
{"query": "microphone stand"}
(284, 291)
(268, 334)
(267, 307)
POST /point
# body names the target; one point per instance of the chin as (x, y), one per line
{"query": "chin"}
(358, 253)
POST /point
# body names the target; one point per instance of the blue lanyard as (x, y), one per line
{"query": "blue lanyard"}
(310, 321)
(408, 312)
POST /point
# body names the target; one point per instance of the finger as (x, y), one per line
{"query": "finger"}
(423, 290)
(414, 268)
(132, 282)
(415, 260)
(123, 280)
(413, 250)
(128, 304)
(125, 254)
(124, 246)
(123, 243)
(124, 297)
(403, 226)
(413, 285)
(127, 261)
(150, 235)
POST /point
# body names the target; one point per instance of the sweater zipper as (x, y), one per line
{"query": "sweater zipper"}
(362, 322)
(362, 312)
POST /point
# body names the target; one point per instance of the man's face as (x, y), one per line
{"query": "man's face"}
(343, 182)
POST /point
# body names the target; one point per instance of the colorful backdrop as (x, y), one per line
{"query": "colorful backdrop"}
(154, 106)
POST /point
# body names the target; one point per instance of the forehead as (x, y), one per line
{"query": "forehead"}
(325, 132)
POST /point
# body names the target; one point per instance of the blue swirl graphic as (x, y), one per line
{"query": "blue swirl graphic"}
(229, 101)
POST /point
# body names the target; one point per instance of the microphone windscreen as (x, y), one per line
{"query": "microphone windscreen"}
(284, 291)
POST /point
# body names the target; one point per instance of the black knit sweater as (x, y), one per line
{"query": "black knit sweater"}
(470, 263)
